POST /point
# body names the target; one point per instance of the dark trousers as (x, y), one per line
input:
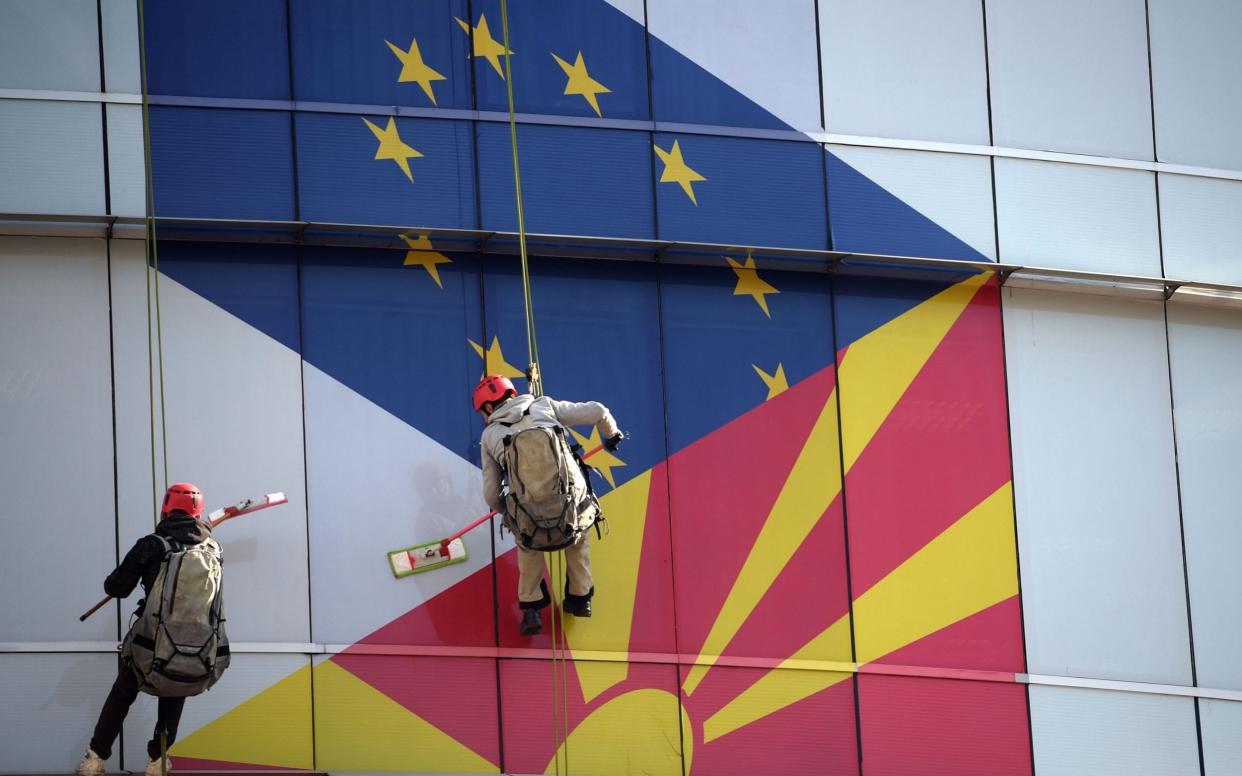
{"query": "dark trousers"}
(124, 692)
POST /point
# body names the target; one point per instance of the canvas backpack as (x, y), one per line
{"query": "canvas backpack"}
(178, 646)
(549, 503)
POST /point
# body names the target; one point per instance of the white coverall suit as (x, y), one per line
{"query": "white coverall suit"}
(544, 411)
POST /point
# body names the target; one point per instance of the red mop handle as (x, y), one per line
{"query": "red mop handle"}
(444, 543)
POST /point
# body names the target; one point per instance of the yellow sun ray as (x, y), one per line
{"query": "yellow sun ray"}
(615, 571)
(886, 361)
(969, 567)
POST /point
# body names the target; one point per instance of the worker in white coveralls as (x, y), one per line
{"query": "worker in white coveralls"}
(541, 489)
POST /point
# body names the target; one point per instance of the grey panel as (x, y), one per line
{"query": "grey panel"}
(1195, 61)
(1201, 222)
(1076, 731)
(1095, 491)
(50, 706)
(765, 50)
(892, 68)
(52, 157)
(56, 423)
(248, 675)
(126, 162)
(1205, 348)
(1070, 76)
(120, 37)
(1077, 217)
(953, 190)
(229, 439)
(1220, 722)
(49, 44)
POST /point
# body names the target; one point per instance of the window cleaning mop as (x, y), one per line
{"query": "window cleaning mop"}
(243, 507)
(446, 551)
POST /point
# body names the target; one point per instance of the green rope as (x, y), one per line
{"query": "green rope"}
(151, 244)
(532, 341)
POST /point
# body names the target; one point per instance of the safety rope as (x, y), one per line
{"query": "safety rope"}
(155, 353)
(532, 341)
(557, 567)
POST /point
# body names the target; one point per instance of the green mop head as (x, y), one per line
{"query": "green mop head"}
(425, 557)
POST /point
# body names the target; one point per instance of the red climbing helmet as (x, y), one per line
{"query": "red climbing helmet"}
(184, 496)
(493, 388)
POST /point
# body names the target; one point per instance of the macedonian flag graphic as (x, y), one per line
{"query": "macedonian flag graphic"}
(835, 566)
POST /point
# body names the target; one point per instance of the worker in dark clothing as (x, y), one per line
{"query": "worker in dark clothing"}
(179, 523)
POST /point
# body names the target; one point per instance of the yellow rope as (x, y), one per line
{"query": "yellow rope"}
(560, 669)
(151, 244)
(532, 341)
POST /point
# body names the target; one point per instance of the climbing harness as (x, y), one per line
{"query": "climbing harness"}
(556, 561)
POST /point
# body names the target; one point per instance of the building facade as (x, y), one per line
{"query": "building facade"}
(923, 319)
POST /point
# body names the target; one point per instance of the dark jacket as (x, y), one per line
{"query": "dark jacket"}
(142, 562)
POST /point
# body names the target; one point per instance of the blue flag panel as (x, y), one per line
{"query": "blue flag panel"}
(740, 191)
(380, 52)
(257, 283)
(598, 331)
(574, 180)
(222, 48)
(569, 58)
(717, 339)
(212, 163)
(387, 330)
(866, 218)
(341, 180)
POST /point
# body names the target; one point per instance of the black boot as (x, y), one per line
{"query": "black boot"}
(578, 605)
(532, 623)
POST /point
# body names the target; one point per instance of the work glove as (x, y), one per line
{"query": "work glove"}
(613, 442)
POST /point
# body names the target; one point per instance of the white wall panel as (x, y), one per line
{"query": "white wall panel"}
(1070, 76)
(1201, 223)
(137, 503)
(56, 427)
(765, 50)
(361, 461)
(1076, 731)
(1077, 217)
(893, 68)
(233, 404)
(953, 190)
(1205, 348)
(50, 706)
(49, 44)
(1195, 61)
(126, 162)
(1220, 722)
(248, 675)
(51, 155)
(1095, 491)
(120, 42)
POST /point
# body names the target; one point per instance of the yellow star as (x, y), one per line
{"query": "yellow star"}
(750, 284)
(602, 460)
(677, 171)
(581, 82)
(413, 69)
(484, 45)
(776, 383)
(494, 360)
(392, 147)
(422, 254)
